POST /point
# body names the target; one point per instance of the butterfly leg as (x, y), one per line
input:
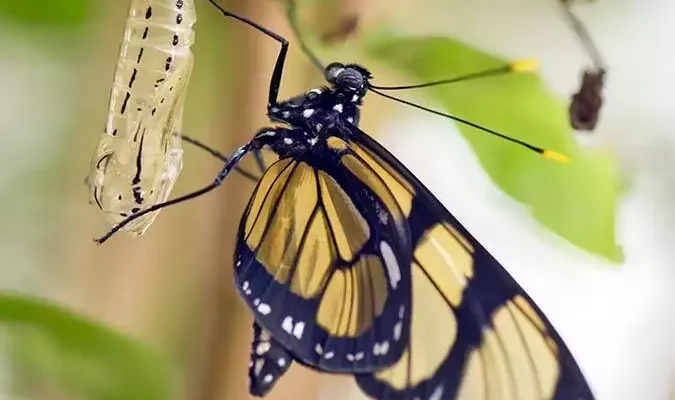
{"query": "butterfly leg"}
(269, 362)
(221, 156)
(277, 73)
(275, 82)
(280, 140)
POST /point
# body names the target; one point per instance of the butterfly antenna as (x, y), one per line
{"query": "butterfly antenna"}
(292, 15)
(584, 37)
(544, 152)
(520, 66)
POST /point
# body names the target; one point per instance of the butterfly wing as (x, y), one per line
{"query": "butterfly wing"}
(474, 332)
(322, 258)
(269, 361)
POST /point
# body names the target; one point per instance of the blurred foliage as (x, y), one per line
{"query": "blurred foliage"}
(55, 346)
(577, 200)
(47, 14)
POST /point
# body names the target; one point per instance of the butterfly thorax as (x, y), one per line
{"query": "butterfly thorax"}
(314, 114)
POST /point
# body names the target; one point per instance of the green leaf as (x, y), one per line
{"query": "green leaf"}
(578, 200)
(86, 360)
(63, 13)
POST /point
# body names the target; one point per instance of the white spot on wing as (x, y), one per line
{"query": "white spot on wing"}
(393, 269)
(298, 329)
(338, 108)
(268, 378)
(329, 355)
(258, 367)
(308, 112)
(437, 394)
(288, 140)
(287, 324)
(263, 348)
(282, 362)
(318, 349)
(380, 349)
(264, 308)
(397, 330)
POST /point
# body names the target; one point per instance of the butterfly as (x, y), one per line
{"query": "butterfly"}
(349, 264)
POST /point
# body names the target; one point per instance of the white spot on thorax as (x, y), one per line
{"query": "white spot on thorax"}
(318, 349)
(286, 114)
(288, 140)
(338, 108)
(313, 141)
(256, 301)
(350, 120)
(393, 269)
(329, 355)
(355, 98)
(268, 133)
(315, 91)
(308, 112)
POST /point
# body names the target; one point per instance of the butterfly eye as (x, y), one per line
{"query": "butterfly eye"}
(333, 71)
(350, 79)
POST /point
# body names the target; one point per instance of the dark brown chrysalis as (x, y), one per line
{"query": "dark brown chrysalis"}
(585, 104)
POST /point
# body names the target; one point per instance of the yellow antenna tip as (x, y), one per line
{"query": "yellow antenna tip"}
(556, 156)
(527, 65)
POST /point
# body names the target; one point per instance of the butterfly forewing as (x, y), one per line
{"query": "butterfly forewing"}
(322, 257)
(474, 333)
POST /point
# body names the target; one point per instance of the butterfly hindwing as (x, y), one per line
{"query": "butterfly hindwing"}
(474, 333)
(322, 260)
(269, 361)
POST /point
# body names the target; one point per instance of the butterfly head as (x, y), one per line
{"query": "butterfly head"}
(350, 79)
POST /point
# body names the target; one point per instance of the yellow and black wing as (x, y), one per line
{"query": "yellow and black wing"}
(474, 333)
(323, 258)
